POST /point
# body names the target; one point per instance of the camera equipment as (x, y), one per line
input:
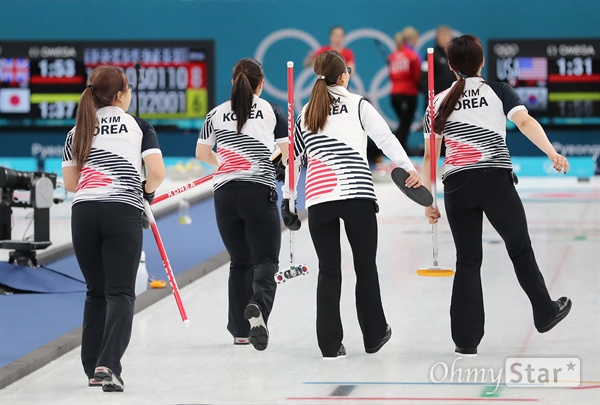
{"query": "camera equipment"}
(41, 186)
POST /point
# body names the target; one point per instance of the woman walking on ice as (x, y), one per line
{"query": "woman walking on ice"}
(471, 118)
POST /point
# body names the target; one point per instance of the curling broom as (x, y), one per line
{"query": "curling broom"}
(300, 269)
(435, 270)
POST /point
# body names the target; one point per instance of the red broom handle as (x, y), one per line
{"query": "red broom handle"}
(432, 149)
(291, 168)
(166, 264)
(181, 189)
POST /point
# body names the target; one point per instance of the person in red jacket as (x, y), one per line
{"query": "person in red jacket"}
(337, 37)
(404, 67)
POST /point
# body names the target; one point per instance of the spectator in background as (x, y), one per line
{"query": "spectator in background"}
(404, 67)
(337, 37)
(443, 76)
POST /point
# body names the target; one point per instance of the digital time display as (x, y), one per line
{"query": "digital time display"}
(557, 79)
(41, 82)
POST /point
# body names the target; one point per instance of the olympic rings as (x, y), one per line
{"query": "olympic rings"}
(378, 85)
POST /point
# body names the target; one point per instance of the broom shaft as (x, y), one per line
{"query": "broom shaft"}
(432, 149)
(291, 164)
(435, 245)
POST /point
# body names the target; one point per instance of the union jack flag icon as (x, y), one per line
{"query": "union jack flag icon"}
(14, 70)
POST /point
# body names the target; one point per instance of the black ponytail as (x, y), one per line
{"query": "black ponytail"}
(465, 56)
(247, 75)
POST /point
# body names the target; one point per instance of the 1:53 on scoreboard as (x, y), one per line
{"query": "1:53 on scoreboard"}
(41, 81)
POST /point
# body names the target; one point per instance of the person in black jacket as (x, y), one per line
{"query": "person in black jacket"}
(443, 76)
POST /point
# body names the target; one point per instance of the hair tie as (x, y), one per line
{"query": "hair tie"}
(461, 75)
(89, 86)
(320, 77)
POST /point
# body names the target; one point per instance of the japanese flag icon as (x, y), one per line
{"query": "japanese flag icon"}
(15, 100)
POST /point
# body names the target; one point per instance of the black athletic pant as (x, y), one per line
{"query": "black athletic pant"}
(360, 223)
(248, 221)
(107, 240)
(405, 107)
(468, 195)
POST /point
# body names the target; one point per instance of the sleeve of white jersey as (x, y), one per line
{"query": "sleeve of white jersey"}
(207, 133)
(379, 131)
(427, 121)
(67, 157)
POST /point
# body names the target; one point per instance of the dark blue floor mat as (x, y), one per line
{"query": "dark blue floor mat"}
(30, 321)
(38, 279)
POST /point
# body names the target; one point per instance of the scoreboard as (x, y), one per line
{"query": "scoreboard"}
(41, 81)
(557, 79)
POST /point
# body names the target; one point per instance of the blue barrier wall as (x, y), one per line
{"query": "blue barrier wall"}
(277, 31)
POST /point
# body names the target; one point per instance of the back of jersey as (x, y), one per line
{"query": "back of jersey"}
(112, 172)
(244, 156)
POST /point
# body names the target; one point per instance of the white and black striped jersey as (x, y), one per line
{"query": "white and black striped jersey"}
(113, 170)
(336, 158)
(245, 156)
(475, 133)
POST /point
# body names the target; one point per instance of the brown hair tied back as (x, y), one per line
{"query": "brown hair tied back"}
(465, 56)
(247, 75)
(101, 91)
(329, 66)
